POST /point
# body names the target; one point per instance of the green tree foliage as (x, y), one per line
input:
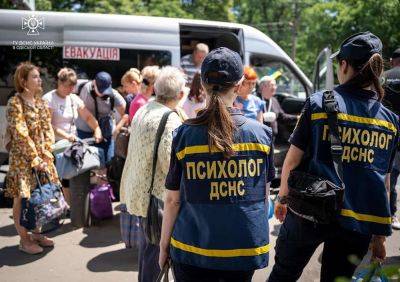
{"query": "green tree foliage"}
(301, 27)
(330, 22)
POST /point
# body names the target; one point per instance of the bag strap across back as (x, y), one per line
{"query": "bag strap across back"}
(160, 131)
(331, 108)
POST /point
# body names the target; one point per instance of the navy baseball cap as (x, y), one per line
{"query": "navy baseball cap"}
(103, 83)
(221, 66)
(360, 46)
(396, 53)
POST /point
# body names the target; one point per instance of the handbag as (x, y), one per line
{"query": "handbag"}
(60, 146)
(163, 275)
(92, 159)
(153, 222)
(45, 206)
(122, 142)
(313, 197)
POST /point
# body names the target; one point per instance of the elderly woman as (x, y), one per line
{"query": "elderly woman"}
(29, 124)
(273, 112)
(135, 180)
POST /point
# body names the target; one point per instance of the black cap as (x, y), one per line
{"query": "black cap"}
(360, 46)
(221, 66)
(103, 83)
(396, 53)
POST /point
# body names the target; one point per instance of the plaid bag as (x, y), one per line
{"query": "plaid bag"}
(129, 228)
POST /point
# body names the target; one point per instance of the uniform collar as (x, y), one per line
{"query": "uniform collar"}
(356, 92)
(237, 116)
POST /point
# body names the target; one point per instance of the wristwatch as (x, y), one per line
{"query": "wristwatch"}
(281, 200)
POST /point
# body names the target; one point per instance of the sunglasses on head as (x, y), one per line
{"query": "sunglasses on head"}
(146, 82)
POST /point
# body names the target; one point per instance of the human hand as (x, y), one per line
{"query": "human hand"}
(378, 248)
(41, 167)
(98, 137)
(115, 133)
(164, 254)
(72, 138)
(280, 211)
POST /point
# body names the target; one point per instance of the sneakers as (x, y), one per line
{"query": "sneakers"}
(395, 223)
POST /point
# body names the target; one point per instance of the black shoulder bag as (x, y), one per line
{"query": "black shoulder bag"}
(312, 197)
(153, 222)
(105, 123)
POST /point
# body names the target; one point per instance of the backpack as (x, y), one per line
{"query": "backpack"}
(79, 85)
(101, 197)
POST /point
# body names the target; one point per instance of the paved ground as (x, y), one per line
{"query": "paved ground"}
(96, 254)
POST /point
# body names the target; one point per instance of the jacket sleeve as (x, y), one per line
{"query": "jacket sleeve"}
(282, 115)
(20, 134)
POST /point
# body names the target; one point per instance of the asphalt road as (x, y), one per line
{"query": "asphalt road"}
(97, 254)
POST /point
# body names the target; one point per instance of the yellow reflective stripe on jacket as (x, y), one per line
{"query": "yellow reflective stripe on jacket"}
(366, 217)
(239, 147)
(358, 119)
(220, 253)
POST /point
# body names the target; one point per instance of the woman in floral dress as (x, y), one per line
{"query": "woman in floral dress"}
(29, 126)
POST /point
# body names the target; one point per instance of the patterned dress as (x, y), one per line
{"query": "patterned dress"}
(31, 134)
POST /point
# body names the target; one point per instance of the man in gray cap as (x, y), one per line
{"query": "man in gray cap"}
(101, 100)
(392, 101)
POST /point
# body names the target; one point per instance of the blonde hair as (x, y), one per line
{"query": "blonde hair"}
(67, 75)
(21, 74)
(133, 74)
(149, 74)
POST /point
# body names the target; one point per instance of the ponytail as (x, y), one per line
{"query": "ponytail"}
(368, 74)
(220, 125)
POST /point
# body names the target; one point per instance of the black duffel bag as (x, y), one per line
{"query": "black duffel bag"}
(312, 197)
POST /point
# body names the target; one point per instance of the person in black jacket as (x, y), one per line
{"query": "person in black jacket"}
(273, 112)
(392, 101)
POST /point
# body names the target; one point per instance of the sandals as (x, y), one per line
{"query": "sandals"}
(42, 240)
(31, 249)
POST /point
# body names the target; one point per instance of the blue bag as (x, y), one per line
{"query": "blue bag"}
(45, 206)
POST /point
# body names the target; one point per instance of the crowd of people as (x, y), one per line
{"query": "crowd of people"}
(214, 162)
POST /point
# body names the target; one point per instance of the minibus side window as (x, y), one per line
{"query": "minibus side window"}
(51, 60)
(286, 81)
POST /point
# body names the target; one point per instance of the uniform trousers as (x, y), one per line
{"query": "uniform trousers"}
(297, 241)
(189, 273)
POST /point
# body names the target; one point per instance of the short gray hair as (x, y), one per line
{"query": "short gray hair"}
(264, 80)
(201, 47)
(169, 84)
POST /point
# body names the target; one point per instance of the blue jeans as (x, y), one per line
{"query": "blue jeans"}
(297, 241)
(107, 146)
